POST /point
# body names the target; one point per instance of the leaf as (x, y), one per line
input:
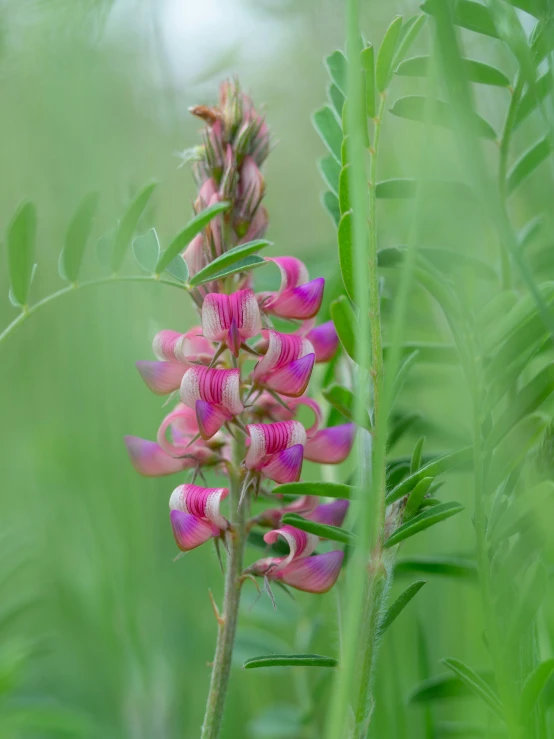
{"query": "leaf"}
(128, 224)
(442, 565)
(346, 254)
(514, 447)
(476, 684)
(328, 127)
(533, 97)
(528, 163)
(399, 604)
(76, 237)
(290, 660)
(468, 14)
(400, 425)
(416, 498)
(414, 108)
(403, 188)
(408, 34)
(529, 601)
(323, 489)
(178, 268)
(434, 468)
(244, 265)
(368, 65)
(429, 352)
(475, 71)
(346, 324)
(415, 463)
(146, 250)
(20, 243)
(330, 171)
(323, 530)
(231, 257)
(383, 67)
(345, 402)
(279, 721)
(337, 66)
(331, 204)
(104, 249)
(439, 688)
(187, 234)
(423, 521)
(524, 508)
(344, 194)
(533, 687)
(336, 98)
(530, 232)
(538, 8)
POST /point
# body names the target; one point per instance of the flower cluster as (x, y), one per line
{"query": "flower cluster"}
(207, 366)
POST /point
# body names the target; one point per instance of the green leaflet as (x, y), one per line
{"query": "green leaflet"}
(383, 67)
(476, 71)
(20, 242)
(396, 608)
(439, 687)
(243, 265)
(416, 498)
(434, 468)
(128, 224)
(476, 684)
(229, 258)
(368, 65)
(444, 566)
(469, 14)
(408, 33)
(514, 447)
(146, 250)
(346, 324)
(323, 489)
(522, 510)
(337, 66)
(424, 520)
(328, 127)
(346, 254)
(531, 597)
(533, 97)
(403, 188)
(534, 686)
(336, 98)
(76, 237)
(344, 194)
(330, 171)
(414, 108)
(290, 660)
(528, 163)
(331, 204)
(344, 401)
(334, 533)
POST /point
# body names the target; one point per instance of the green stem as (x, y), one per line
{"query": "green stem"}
(28, 311)
(231, 599)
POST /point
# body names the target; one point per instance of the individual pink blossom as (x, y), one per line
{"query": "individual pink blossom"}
(194, 255)
(297, 298)
(331, 445)
(231, 318)
(301, 544)
(276, 450)
(214, 394)
(195, 515)
(150, 460)
(287, 364)
(315, 574)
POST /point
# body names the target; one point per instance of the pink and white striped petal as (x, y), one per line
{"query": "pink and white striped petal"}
(331, 445)
(231, 318)
(287, 364)
(200, 502)
(269, 438)
(171, 346)
(189, 531)
(332, 514)
(301, 544)
(181, 423)
(316, 574)
(215, 386)
(162, 377)
(150, 460)
(325, 341)
(285, 466)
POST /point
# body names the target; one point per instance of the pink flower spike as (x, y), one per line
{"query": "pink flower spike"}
(189, 531)
(316, 574)
(287, 364)
(331, 445)
(231, 318)
(325, 341)
(301, 544)
(267, 439)
(201, 502)
(296, 298)
(150, 460)
(332, 514)
(162, 377)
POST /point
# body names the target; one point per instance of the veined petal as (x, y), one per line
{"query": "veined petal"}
(285, 466)
(162, 377)
(200, 502)
(299, 303)
(182, 423)
(193, 347)
(316, 574)
(331, 445)
(269, 438)
(189, 531)
(210, 418)
(150, 460)
(164, 343)
(280, 350)
(194, 255)
(215, 386)
(332, 514)
(293, 378)
(325, 341)
(301, 544)
(293, 271)
(237, 313)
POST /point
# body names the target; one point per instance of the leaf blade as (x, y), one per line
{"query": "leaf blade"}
(476, 684)
(323, 530)
(226, 259)
(290, 660)
(383, 66)
(20, 244)
(129, 223)
(329, 129)
(423, 521)
(76, 237)
(323, 489)
(399, 604)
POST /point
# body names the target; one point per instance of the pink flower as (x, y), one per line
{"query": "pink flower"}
(325, 341)
(195, 516)
(296, 298)
(276, 450)
(194, 255)
(214, 394)
(267, 406)
(331, 445)
(231, 318)
(150, 460)
(287, 364)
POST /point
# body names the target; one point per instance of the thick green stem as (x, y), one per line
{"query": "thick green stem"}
(231, 600)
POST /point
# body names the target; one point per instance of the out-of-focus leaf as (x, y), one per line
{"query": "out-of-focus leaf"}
(415, 463)
(322, 489)
(538, 8)
(104, 249)
(330, 171)
(344, 401)
(331, 204)
(146, 250)
(346, 254)
(414, 108)
(534, 686)
(511, 31)
(400, 426)
(21, 250)
(290, 660)
(403, 371)
(336, 98)
(383, 67)
(468, 14)
(231, 257)
(337, 66)
(439, 688)
(187, 234)
(434, 468)
(344, 190)
(76, 237)
(324, 531)
(531, 596)
(409, 32)
(391, 256)
(533, 97)
(444, 566)
(528, 163)
(178, 268)
(277, 722)
(530, 232)
(328, 127)
(128, 224)
(399, 604)
(404, 188)
(416, 498)
(476, 684)
(423, 521)
(476, 71)
(346, 324)
(514, 447)
(428, 352)
(368, 66)
(523, 509)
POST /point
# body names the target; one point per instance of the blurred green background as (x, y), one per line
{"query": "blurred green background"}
(101, 633)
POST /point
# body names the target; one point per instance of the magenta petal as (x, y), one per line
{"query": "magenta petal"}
(299, 303)
(269, 438)
(162, 377)
(301, 544)
(332, 514)
(189, 531)
(219, 311)
(293, 378)
(293, 271)
(331, 445)
(164, 343)
(210, 418)
(325, 341)
(304, 504)
(316, 574)
(285, 466)
(150, 460)
(200, 502)
(216, 386)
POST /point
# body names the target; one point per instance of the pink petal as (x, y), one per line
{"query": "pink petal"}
(285, 466)
(293, 378)
(315, 574)
(182, 423)
(189, 531)
(258, 226)
(331, 445)
(332, 514)
(303, 504)
(293, 271)
(300, 303)
(325, 341)
(194, 255)
(210, 418)
(236, 314)
(207, 192)
(164, 343)
(193, 347)
(162, 377)
(269, 438)
(200, 502)
(215, 386)
(150, 460)
(301, 544)
(280, 350)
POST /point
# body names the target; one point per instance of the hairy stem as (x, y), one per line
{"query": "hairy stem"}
(227, 629)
